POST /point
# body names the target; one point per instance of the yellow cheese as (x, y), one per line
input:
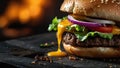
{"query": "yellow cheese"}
(116, 31)
(61, 29)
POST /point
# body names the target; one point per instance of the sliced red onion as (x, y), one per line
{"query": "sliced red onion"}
(83, 23)
(101, 21)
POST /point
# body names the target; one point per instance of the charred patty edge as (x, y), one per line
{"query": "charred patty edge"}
(70, 38)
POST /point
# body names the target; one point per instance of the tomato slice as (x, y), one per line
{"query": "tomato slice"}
(103, 29)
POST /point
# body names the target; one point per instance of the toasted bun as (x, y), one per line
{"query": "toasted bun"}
(108, 9)
(94, 52)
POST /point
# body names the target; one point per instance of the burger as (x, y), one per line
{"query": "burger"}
(91, 28)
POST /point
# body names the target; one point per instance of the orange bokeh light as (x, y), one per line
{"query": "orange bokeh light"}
(24, 15)
(12, 11)
(3, 22)
(27, 10)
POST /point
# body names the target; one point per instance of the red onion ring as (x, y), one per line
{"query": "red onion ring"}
(101, 21)
(83, 23)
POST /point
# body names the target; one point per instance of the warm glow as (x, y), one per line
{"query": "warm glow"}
(28, 9)
(37, 13)
(26, 12)
(3, 22)
(34, 2)
(24, 15)
(12, 11)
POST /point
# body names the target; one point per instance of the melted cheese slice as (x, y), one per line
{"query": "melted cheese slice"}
(116, 31)
(61, 29)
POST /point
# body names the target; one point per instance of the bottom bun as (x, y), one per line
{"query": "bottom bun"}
(92, 52)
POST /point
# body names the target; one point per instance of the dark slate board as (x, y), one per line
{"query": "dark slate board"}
(20, 53)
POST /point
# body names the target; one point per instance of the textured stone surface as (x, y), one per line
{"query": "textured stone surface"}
(20, 53)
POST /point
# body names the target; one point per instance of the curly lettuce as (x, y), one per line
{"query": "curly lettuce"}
(54, 24)
(83, 37)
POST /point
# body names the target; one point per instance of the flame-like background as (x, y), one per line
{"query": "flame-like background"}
(19, 18)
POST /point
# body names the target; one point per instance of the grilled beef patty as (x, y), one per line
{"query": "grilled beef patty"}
(70, 38)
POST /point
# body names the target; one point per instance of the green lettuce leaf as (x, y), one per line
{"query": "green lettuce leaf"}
(54, 24)
(82, 34)
(83, 37)
(76, 28)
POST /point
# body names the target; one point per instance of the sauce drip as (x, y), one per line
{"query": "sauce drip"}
(61, 29)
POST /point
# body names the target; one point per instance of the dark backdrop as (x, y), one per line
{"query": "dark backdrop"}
(50, 13)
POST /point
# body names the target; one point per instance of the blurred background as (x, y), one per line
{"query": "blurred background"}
(22, 18)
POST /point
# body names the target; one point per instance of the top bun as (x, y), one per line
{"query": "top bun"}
(107, 9)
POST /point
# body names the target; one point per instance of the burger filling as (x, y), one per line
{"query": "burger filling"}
(81, 30)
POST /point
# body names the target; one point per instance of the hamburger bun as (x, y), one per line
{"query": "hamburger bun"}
(94, 52)
(107, 9)
(85, 33)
